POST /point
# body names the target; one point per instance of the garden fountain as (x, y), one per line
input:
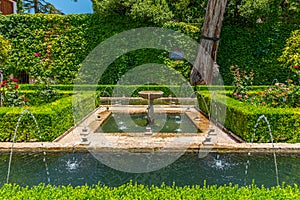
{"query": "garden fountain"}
(150, 96)
(82, 168)
(13, 142)
(263, 117)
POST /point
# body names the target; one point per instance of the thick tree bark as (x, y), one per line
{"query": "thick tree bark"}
(205, 66)
(36, 6)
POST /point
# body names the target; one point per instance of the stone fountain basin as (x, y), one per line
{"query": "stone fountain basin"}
(151, 94)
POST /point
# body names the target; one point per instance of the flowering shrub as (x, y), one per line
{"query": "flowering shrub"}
(10, 93)
(281, 95)
(290, 57)
(297, 71)
(45, 93)
(242, 80)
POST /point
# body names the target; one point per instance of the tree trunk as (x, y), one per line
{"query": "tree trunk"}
(205, 66)
(36, 6)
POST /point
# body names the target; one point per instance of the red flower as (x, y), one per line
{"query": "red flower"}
(263, 103)
(239, 96)
(15, 80)
(16, 86)
(296, 67)
(25, 100)
(36, 54)
(4, 81)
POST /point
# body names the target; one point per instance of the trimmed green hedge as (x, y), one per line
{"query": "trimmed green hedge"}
(69, 88)
(53, 119)
(130, 191)
(241, 118)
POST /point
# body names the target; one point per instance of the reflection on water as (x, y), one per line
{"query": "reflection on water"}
(136, 123)
(83, 168)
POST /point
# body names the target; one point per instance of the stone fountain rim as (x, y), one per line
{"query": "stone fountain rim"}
(152, 94)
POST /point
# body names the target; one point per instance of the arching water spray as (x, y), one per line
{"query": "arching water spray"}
(13, 142)
(272, 140)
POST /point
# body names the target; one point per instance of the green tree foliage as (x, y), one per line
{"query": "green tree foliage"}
(154, 11)
(252, 11)
(237, 11)
(291, 54)
(5, 47)
(290, 57)
(37, 6)
(192, 11)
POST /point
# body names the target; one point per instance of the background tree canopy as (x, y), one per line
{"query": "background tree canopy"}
(37, 6)
(237, 11)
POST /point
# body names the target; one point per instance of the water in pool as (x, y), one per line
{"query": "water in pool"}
(136, 123)
(82, 168)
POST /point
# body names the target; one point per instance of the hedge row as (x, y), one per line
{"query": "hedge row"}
(242, 117)
(53, 119)
(130, 191)
(55, 46)
(109, 88)
(56, 117)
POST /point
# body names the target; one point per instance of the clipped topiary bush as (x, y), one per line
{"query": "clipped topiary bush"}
(241, 118)
(53, 119)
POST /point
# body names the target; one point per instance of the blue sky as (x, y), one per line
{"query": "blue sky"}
(70, 7)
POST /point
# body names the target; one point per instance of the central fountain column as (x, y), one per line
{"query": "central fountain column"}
(150, 96)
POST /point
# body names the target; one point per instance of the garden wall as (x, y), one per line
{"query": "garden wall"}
(55, 46)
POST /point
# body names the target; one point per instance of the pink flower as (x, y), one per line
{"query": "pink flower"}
(235, 94)
(36, 54)
(263, 103)
(296, 67)
(246, 96)
(239, 96)
(276, 84)
(281, 84)
(15, 80)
